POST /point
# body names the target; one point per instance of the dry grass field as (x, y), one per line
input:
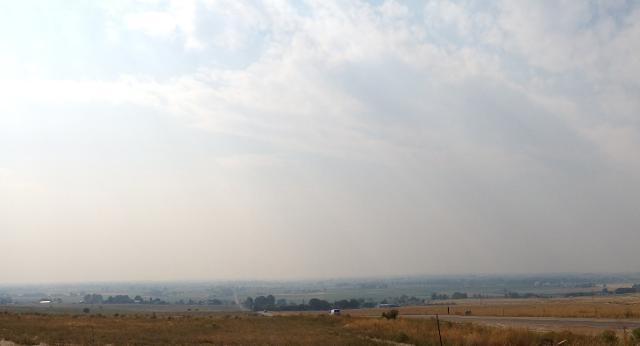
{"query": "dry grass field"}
(244, 329)
(599, 307)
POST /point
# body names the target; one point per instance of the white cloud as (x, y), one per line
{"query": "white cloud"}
(444, 13)
(230, 25)
(505, 125)
(152, 23)
(158, 19)
(573, 37)
(320, 83)
(239, 22)
(48, 93)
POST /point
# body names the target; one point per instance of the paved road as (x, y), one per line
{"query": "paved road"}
(541, 323)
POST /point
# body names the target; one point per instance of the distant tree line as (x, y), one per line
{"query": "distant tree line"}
(516, 295)
(625, 290)
(121, 299)
(403, 300)
(210, 301)
(444, 296)
(126, 299)
(270, 303)
(93, 299)
(581, 294)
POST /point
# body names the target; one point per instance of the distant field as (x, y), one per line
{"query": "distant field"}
(246, 329)
(627, 306)
(201, 325)
(619, 306)
(115, 308)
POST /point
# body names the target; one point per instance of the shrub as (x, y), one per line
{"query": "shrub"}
(402, 337)
(636, 334)
(86, 310)
(609, 337)
(546, 341)
(391, 314)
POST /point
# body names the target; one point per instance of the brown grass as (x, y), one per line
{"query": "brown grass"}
(424, 332)
(170, 330)
(601, 307)
(218, 329)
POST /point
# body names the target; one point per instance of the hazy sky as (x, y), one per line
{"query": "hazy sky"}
(228, 139)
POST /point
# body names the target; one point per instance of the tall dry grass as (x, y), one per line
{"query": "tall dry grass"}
(602, 307)
(216, 329)
(425, 332)
(171, 330)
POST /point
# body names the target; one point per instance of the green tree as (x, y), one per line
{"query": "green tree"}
(248, 303)
(319, 304)
(459, 295)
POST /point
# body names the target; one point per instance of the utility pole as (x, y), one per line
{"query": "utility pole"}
(439, 334)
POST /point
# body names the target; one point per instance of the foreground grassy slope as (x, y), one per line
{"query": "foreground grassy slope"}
(62, 329)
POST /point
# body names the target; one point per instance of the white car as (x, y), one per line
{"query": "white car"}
(334, 312)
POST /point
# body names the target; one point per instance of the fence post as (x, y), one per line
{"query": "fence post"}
(439, 334)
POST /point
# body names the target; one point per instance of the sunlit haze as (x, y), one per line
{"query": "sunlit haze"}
(205, 140)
